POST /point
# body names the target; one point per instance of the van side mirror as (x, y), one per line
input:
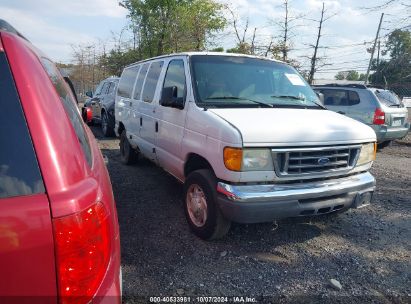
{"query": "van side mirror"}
(89, 94)
(169, 98)
(320, 97)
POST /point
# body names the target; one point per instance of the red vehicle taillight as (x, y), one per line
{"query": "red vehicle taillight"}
(82, 253)
(379, 117)
(89, 114)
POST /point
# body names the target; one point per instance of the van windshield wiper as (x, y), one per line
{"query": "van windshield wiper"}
(297, 98)
(289, 97)
(241, 98)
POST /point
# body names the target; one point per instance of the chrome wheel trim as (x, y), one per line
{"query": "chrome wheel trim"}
(196, 205)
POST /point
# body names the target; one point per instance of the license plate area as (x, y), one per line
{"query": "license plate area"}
(396, 122)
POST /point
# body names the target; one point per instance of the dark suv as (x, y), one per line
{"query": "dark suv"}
(99, 108)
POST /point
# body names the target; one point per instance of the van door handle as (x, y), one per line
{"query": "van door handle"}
(341, 112)
(141, 121)
(156, 126)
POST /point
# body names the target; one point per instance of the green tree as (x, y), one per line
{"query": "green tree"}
(397, 68)
(166, 26)
(340, 76)
(399, 44)
(352, 75)
(241, 48)
(115, 61)
(218, 49)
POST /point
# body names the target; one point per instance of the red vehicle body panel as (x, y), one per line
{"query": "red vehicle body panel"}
(26, 249)
(71, 184)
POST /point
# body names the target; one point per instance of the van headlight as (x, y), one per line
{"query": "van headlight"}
(237, 159)
(367, 153)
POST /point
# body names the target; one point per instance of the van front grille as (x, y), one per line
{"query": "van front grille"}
(314, 161)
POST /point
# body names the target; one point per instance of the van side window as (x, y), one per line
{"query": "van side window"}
(175, 77)
(151, 81)
(127, 81)
(70, 106)
(140, 81)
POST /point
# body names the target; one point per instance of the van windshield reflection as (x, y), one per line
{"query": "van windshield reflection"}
(232, 81)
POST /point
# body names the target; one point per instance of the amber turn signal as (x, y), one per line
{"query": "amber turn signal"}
(233, 158)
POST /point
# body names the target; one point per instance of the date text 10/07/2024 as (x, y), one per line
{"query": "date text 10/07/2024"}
(202, 299)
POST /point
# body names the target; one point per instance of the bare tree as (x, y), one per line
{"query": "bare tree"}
(240, 31)
(287, 26)
(315, 58)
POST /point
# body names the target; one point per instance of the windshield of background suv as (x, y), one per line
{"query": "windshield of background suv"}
(387, 97)
(229, 81)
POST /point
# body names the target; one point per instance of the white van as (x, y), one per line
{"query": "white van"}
(246, 135)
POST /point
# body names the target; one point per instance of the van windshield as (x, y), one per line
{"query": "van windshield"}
(231, 81)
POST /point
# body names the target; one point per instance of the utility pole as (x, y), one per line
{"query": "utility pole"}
(378, 56)
(373, 50)
(314, 58)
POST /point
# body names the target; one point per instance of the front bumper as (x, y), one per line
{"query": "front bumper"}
(265, 203)
(385, 133)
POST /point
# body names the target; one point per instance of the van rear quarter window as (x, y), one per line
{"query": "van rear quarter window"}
(140, 81)
(19, 170)
(152, 80)
(125, 87)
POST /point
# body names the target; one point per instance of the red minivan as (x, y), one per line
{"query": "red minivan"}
(59, 234)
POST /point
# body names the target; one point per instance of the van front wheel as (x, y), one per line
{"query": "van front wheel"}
(201, 208)
(127, 154)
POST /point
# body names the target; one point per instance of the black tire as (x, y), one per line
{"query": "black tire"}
(215, 225)
(106, 125)
(384, 144)
(128, 155)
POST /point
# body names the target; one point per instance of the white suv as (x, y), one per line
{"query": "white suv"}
(246, 136)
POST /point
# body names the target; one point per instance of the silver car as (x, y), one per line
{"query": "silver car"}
(381, 109)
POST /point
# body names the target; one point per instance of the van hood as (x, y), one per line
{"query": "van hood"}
(295, 127)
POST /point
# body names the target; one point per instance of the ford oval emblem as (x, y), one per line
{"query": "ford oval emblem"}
(323, 161)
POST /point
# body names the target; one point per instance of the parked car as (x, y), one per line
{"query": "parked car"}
(245, 135)
(381, 109)
(59, 235)
(99, 108)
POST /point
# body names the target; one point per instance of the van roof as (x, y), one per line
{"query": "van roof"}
(188, 54)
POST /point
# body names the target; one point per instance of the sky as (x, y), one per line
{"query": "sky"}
(55, 26)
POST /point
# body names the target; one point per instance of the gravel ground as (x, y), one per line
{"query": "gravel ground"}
(366, 250)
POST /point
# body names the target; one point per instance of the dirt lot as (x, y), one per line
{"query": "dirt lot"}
(367, 250)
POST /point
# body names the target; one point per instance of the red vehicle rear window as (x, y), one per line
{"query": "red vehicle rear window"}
(19, 170)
